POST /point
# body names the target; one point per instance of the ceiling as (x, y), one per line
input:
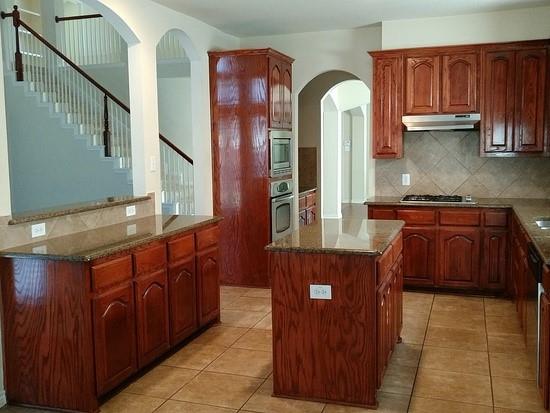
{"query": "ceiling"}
(245, 18)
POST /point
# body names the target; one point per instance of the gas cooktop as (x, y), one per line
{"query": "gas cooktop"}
(436, 199)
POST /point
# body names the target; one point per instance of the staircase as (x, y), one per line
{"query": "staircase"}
(97, 116)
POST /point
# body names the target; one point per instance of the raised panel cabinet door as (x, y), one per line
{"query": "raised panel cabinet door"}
(544, 359)
(419, 255)
(381, 305)
(275, 94)
(459, 83)
(387, 107)
(499, 74)
(459, 250)
(183, 300)
(494, 259)
(287, 96)
(422, 88)
(114, 337)
(208, 279)
(530, 100)
(152, 316)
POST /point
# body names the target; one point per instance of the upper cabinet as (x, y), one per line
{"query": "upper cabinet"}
(515, 107)
(280, 94)
(508, 84)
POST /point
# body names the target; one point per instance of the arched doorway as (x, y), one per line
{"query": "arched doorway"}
(334, 141)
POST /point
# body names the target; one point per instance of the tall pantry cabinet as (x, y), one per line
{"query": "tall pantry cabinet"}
(250, 94)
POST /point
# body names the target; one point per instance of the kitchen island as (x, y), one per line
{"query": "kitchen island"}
(337, 309)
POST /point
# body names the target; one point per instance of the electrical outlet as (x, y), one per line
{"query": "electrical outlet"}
(130, 211)
(38, 230)
(320, 292)
(131, 230)
(405, 179)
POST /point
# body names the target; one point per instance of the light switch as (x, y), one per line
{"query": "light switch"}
(320, 292)
(38, 230)
(405, 179)
(130, 211)
(131, 230)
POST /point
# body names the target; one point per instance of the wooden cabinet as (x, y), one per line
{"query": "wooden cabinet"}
(387, 107)
(287, 96)
(544, 359)
(515, 99)
(494, 258)
(208, 286)
(114, 337)
(152, 316)
(459, 251)
(183, 300)
(419, 255)
(422, 89)
(307, 204)
(459, 85)
(280, 94)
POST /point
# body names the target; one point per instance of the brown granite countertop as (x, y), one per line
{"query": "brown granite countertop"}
(108, 240)
(341, 236)
(75, 208)
(527, 211)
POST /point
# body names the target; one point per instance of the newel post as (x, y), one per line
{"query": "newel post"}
(106, 128)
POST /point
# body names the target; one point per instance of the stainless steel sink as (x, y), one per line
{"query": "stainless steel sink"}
(543, 223)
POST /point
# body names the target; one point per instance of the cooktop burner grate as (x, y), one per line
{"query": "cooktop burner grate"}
(435, 198)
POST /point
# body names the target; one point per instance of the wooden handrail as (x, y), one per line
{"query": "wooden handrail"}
(18, 22)
(81, 17)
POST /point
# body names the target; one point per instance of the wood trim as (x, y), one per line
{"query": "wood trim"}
(81, 17)
(252, 52)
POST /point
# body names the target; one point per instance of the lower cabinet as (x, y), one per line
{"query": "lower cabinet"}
(544, 359)
(152, 316)
(208, 285)
(419, 255)
(459, 257)
(114, 337)
(183, 300)
(494, 259)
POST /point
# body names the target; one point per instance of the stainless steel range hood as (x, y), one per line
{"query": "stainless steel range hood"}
(441, 122)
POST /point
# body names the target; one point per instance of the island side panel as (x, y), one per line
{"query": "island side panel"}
(48, 334)
(324, 349)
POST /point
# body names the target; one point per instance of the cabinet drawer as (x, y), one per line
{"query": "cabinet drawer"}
(311, 199)
(207, 238)
(384, 265)
(302, 204)
(382, 213)
(181, 248)
(417, 216)
(495, 219)
(111, 273)
(459, 218)
(150, 259)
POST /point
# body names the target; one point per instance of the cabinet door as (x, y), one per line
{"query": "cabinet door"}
(422, 88)
(530, 96)
(152, 316)
(208, 280)
(459, 257)
(387, 107)
(287, 96)
(183, 301)
(495, 253)
(114, 337)
(381, 332)
(544, 360)
(275, 94)
(459, 83)
(498, 107)
(419, 255)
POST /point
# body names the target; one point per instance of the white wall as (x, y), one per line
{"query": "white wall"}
(347, 135)
(5, 196)
(523, 24)
(331, 172)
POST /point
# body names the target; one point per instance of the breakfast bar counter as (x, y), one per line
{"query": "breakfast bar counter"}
(337, 309)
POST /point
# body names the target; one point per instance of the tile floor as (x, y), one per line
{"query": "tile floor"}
(459, 355)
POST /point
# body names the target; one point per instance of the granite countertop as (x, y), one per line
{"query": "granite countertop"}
(108, 240)
(341, 236)
(527, 211)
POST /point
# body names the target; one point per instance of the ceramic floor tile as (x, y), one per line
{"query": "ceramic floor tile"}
(398, 379)
(265, 323)
(506, 343)
(131, 403)
(500, 307)
(458, 387)
(194, 356)
(263, 402)
(417, 302)
(449, 337)
(458, 319)
(502, 410)
(502, 325)
(387, 403)
(251, 363)
(173, 406)
(517, 394)
(226, 300)
(414, 319)
(454, 360)
(238, 318)
(162, 381)
(220, 336)
(235, 291)
(222, 390)
(516, 366)
(406, 354)
(258, 293)
(423, 405)
(250, 304)
(413, 335)
(255, 339)
(458, 304)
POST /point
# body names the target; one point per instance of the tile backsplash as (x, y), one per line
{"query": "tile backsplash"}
(441, 162)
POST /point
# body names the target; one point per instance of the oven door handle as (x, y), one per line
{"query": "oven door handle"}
(282, 199)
